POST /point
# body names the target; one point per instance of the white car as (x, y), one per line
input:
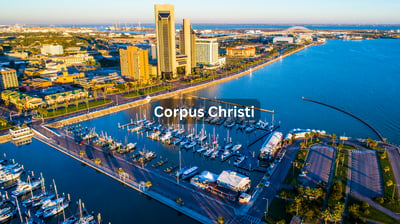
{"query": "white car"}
(244, 198)
(267, 184)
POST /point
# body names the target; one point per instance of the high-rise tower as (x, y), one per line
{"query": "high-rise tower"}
(166, 48)
(187, 44)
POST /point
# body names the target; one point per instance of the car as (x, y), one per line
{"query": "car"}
(244, 198)
(267, 184)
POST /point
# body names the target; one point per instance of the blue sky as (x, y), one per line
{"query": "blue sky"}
(204, 11)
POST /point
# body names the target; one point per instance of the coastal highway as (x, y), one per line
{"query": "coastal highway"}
(276, 180)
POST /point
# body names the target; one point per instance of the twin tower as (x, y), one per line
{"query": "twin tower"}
(168, 59)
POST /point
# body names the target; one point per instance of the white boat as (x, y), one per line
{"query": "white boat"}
(5, 214)
(9, 177)
(249, 129)
(55, 210)
(228, 146)
(154, 135)
(166, 137)
(236, 147)
(190, 172)
(226, 155)
(214, 154)
(24, 188)
(239, 160)
(208, 152)
(89, 219)
(50, 203)
(190, 145)
(176, 141)
(180, 131)
(202, 149)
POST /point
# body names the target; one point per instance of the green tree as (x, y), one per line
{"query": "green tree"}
(76, 104)
(326, 215)
(333, 138)
(306, 136)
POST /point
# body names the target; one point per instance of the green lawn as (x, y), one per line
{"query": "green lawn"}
(374, 214)
(277, 211)
(388, 176)
(72, 108)
(147, 91)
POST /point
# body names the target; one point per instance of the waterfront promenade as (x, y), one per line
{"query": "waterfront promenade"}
(176, 91)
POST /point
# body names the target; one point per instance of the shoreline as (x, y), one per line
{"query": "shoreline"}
(139, 102)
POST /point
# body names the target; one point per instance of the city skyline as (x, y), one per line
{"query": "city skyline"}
(266, 12)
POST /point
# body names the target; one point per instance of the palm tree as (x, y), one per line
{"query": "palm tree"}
(76, 104)
(82, 153)
(97, 161)
(306, 136)
(66, 103)
(149, 184)
(333, 138)
(312, 135)
(326, 215)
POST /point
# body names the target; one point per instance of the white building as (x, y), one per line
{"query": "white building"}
(207, 51)
(287, 40)
(52, 50)
(234, 181)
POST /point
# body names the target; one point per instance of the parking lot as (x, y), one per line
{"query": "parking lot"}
(365, 177)
(318, 166)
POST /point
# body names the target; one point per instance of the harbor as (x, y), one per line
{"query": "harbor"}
(26, 198)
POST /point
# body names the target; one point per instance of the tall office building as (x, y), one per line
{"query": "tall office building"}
(134, 63)
(8, 78)
(166, 48)
(187, 45)
(207, 51)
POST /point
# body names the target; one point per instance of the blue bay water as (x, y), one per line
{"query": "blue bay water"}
(361, 77)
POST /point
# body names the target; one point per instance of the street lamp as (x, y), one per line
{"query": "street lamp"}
(266, 209)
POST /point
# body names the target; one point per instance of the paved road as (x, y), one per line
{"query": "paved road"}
(365, 174)
(318, 165)
(394, 158)
(277, 178)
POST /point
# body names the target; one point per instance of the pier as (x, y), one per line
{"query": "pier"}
(350, 114)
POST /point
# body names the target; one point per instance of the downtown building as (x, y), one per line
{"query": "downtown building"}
(8, 78)
(187, 45)
(52, 49)
(207, 51)
(168, 61)
(135, 64)
(166, 47)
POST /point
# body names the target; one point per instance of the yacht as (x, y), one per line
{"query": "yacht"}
(236, 147)
(190, 172)
(24, 188)
(239, 160)
(55, 210)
